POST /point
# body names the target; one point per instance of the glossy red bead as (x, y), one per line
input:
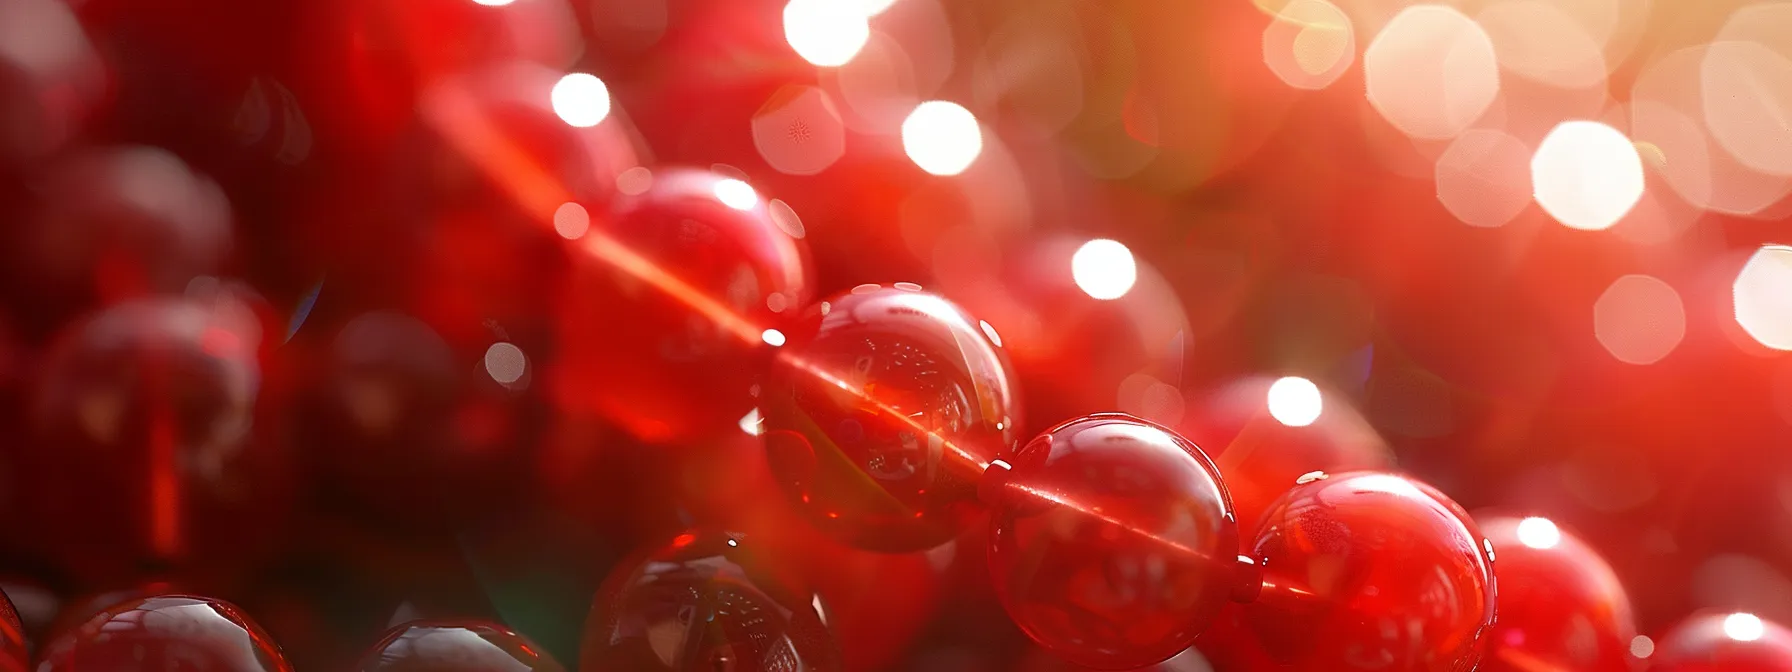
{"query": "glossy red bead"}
(455, 646)
(1372, 571)
(882, 413)
(1560, 604)
(145, 422)
(1112, 541)
(165, 634)
(706, 601)
(679, 295)
(1720, 642)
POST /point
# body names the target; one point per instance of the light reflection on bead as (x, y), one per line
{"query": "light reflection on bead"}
(1560, 604)
(882, 412)
(455, 646)
(165, 634)
(1723, 642)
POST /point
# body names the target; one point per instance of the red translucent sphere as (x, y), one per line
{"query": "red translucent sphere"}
(1738, 642)
(118, 223)
(144, 418)
(1372, 571)
(882, 413)
(706, 601)
(1112, 541)
(165, 634)
(456, 646)
(1560, 605)
(682, 292)
(1261, 455)
(50, 77)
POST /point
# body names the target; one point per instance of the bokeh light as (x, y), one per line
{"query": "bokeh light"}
(581, 100)
(1639, 319)
(798, 131)
(1539, 533)
(1539, 41)
(772, 337)
(1586, 175)
(1744, 627)
(1431, 72)
(942, 137)
(1668, 115)
(1295, 401)
(505, 363)
(1484, 177)
(571, 221)
(1763, 295)
(736, 194)
(1747, 87)
(1309, 44)
(828, 33)
(1641, 646)
(493, 3)
(1104, 269)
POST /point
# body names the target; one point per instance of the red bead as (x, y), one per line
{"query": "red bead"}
(456, 646)
(145, 417)
(679, 290)
(165, 634)
(1372, 571)
(50, 77)
(882, 413)
(1560, 605)
(115, 224)
(1262, 456)
(1112, 541)
(1738, 642)
(706, 602)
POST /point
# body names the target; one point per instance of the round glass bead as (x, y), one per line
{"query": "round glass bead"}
(165, 634)
(1560, 604)
(705, 601)
(679, 297)
(882, 413)
(1372, 571)
(1719, 642)
(1112, 541)
(456, 646)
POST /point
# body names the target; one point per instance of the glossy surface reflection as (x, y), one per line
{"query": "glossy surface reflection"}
(13, 652)
(456, 646)
(1560, 605)
(675, 307)
(1723, 642)
(706, 601)
(1372, 571)
(1112, 541)
(165, 634)
(882, 413)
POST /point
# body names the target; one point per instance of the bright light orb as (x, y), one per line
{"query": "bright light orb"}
(773, 337)
(1639, 319)
(1586, 175)
(1104, 269)
(581, 100)
(1294, 401)
(942, 137)
(1763, 295)
(1539, 533)
(493, 3)
(1309, 44)
(571, 221)
(1431, 72)
(1744, 627)
(736, 194)
(827, 33)
(1641, 646)
(505, 363)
